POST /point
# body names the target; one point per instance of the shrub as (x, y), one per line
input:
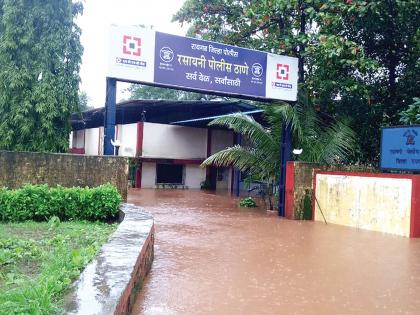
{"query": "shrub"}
(247, 203)
(40, 203)
(205, 185)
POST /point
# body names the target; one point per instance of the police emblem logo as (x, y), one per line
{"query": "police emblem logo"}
(410, 135)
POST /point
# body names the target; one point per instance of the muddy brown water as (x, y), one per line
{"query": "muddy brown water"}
(212, 257)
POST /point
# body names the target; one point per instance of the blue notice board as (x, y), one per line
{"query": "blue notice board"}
(400, 148)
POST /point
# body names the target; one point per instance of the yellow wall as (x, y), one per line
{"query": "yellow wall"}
(371, 203)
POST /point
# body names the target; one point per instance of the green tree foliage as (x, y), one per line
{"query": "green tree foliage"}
(145, 92)
(357, 58)
(40, 55)
(84, 100)
(325, 142)
(411, 115)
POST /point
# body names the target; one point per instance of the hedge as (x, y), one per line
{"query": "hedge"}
(40, 203)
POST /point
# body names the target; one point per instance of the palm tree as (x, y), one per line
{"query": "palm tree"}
(323, 142)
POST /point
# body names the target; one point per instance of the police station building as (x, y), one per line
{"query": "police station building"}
(168, 140)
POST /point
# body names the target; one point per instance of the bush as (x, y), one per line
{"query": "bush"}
(205, 185)
(247, 203)
(40, 203)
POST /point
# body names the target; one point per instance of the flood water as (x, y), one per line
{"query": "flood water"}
(212, 257)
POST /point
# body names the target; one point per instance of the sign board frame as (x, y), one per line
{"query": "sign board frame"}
(149, 57)
(235, 71)
(404, 150)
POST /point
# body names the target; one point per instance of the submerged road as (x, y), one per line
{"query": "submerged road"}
(212, 257)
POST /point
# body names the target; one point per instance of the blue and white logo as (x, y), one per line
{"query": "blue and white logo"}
(410, 135)
(166, 54)
(257, 70)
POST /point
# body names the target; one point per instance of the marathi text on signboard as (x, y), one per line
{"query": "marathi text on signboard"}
(400, 148)
(146, 56)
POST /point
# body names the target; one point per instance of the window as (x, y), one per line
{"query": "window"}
(169, 174)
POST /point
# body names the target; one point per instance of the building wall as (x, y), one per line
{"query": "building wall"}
(221, 139)
(223, 178)
(77, 139)
(159, 140)
(92, 141)
(101, 141)
(165, 142)
(300, 185)
(148, 175)
(127, 134)
(376, 202)
(19, 168)
(174, 142)
(71, 139)
(194, 175)
(230, 180)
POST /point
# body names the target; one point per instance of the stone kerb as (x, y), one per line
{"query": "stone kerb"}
(109, 284)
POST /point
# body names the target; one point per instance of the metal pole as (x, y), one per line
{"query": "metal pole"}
(110, 115)
(286, 153)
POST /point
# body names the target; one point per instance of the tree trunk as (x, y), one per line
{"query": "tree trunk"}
(301, 46)
(393, 61)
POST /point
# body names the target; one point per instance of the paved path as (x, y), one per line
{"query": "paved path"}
(213, 258)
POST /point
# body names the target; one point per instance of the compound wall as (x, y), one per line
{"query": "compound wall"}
(388, 203)
(19, 168)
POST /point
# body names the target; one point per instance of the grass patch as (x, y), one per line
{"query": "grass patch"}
(38, 262)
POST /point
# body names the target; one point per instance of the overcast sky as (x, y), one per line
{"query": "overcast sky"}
(97, 16)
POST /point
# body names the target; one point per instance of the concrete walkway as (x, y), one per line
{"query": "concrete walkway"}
(213, 258)
(109, 284)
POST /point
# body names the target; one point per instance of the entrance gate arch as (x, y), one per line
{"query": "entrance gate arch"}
(138, 55)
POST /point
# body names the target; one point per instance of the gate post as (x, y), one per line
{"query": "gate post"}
(237, 173)
(286, 152)
(110, 115)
